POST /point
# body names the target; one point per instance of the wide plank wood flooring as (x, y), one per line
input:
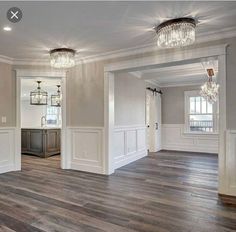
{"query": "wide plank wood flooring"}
(166, 191)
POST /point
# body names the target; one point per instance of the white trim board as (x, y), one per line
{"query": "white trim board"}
(186, 55)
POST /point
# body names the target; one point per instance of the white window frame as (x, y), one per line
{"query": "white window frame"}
(58, 115)
(215, 109)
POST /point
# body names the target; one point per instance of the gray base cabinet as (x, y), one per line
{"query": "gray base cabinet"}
(41, 142)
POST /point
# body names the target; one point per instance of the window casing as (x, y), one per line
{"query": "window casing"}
(200, 115)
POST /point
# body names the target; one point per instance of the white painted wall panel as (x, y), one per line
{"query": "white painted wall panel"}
(129, 144)
(231, 162)
(7, 149)
(86, 147)
(174, 138)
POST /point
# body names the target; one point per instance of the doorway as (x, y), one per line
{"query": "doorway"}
(46, 132)
(182, 56)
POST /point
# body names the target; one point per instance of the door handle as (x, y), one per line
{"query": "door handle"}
(156, 126)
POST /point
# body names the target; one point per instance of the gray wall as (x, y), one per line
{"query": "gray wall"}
(7, 95)
(85, 95)
(129, 95)
(173, 104)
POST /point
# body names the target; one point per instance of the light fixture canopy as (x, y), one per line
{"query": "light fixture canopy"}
(38, 96)
(56, 98)
(177, 32)
(62, 58)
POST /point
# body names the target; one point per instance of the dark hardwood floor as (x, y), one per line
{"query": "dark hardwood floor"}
(167, 191)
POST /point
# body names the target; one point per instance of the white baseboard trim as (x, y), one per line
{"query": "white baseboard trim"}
(7, 168)
(126, 160)
(174, 138)
(129, 144)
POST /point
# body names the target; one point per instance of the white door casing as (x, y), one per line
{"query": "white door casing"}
(29, 73)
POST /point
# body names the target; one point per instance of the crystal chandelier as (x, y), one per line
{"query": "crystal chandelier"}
(62, 58)
(210, 89)
(177, 32)
(56, 98)
(38, 96)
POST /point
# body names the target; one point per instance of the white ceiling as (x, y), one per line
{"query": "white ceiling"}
(179, 75)
(93, 28)
(30, 84)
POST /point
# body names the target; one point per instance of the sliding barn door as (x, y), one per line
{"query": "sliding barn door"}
(153, 121)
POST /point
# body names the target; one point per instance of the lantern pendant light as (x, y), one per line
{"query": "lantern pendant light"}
(56, 98)
(38, 96)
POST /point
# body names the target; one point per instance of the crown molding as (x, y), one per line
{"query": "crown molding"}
(201, 38)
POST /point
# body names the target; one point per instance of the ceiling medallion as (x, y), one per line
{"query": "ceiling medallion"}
(38, 96)
(177, 32)
(210, 88)
(62, 58)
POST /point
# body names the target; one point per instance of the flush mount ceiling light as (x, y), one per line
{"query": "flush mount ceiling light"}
(177, 32)
(38, 96)
(56, 98)
(62, 58)
(210, 88)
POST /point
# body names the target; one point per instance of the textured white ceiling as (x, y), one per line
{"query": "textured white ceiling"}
(93, 28)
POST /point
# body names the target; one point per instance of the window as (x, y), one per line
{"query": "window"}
(53, 116)
(200, 115)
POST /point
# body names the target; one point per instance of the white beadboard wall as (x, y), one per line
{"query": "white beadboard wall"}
(7, 149)
(129, 144)
(85, 146)
(174, 138)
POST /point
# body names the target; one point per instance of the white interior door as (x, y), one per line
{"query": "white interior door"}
(153, 121)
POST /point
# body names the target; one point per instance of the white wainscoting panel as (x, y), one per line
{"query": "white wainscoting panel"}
(7, 149)
(86, 149)
(129, 144)
(174, 138)
(231, 161)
